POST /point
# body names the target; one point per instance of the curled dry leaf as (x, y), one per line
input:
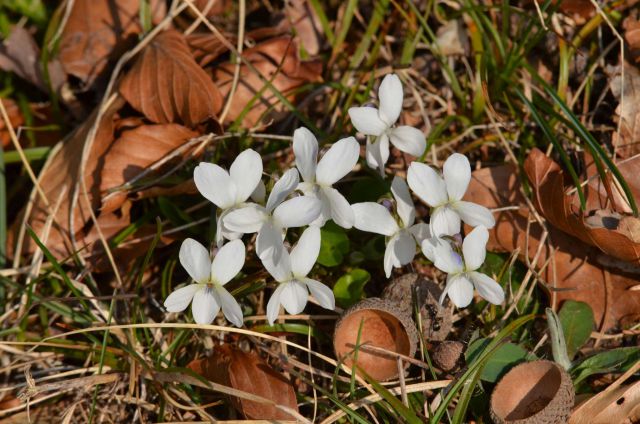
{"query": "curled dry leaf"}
(619, 405)
(98, 31)
(133, 152)
(567, 268)
(614, 234)
(376, 325)
(304, 19)
(249, 373)
(20, 54)
(167, 85)
(277, 61)
(211, 8)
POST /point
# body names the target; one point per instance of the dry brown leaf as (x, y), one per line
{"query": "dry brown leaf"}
(20, 54)
(304, 19)
(206, 47)
(616, 235)
(627, 142)
(579, 9)
(133, 152)
(573, 271)
(98, 31)
(249, 373)
(167, 85)
(278, 61)
(15, 118)
(211, 8)
(632, 36)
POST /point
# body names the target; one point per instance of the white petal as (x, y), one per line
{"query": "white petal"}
(305, 148)
(367, 121)
(297, 212)
(459, 289)
(222, 231)
(474, 214)
(194, 258)
(444, 221)
(409, 140)
(294, 297)
(228, 262)
(390, 95)
(429, 246)
(269, 243)
(487, 288)
(446, 259)
(404, 203)
(215, 184)
(305, 253)
(230, 307)
(246, 219)
(273, 306)
(457, 174)
(338, 161)
(259, 193)
(283, 188)
(474, 248)
(374, 218)
(377, 153)
(180, 299)
(322, 293)
(405, 248)
(339, 208)
(205, 306)
(390, 256)
(246, 171)
(420, 232)
(427, 184)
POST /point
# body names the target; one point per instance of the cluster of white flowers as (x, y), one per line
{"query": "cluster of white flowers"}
(312, 202)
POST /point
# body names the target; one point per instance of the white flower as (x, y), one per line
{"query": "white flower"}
(402, 237)
(270, 221)
(291, 272)
(228, 190)
(444, 195)
(379, 123)
(462, 275)
(208, 292)
(319, 177)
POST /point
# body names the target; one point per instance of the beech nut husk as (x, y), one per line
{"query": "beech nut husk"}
(384, 325)
(538, 392)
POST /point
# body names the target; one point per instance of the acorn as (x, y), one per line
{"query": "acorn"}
(413, 289)
(447, 355)
(384, 325)
(538, 392)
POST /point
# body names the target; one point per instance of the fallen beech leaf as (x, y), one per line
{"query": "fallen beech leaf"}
(614, 234)
(206, 47)
(573, 271)
(632, 36)
(581, 9)
(277, 60)
(20, 54)
(133, 152)
(247, 372)
(627, 141)
(303, 18)
(98, 31)
(211, 8)
(167, 85)
(15, 118)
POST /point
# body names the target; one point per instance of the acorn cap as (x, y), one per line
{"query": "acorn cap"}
(446, 355)
(409, 289)
(538, 392)
(384, 325)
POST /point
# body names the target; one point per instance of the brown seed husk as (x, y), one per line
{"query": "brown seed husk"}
(384, 325)
(538, 392)
(447, 354)
(413, 289)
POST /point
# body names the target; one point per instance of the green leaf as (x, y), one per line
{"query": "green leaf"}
(506, 357)
(349, 288)
(334, 245)
(577, 323)
(558, 341)
(619, 359)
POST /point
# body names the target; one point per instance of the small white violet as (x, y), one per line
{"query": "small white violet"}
(379, 124)
(319, 177)
(462, 275)
(290, 271)
(228, 190)
(271, 221)
(402, 237)
(208, 292)
(444, 195)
